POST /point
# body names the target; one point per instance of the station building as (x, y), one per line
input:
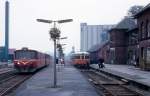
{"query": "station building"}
(120, 49)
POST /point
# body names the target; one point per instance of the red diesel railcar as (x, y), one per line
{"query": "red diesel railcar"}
(81, 59)
(26, 60)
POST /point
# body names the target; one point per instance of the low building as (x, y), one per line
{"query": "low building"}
(94, 53)
(99, 51)
(10, 55)
(104, 52)
(2, 53)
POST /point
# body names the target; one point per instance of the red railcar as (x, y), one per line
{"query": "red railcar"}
(81, 59)
(26, 60)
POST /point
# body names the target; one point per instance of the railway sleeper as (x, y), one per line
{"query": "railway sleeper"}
(109, 78)
(116, 90)
(110, 86)
(121, 91)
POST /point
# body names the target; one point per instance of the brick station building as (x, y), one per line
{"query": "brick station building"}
(119, 41)
(121, 48)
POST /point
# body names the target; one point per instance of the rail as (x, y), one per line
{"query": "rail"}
(8, 84)
(107, 86)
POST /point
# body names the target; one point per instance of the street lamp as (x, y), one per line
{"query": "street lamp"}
(55, 35)
(63, 44)
(63, 38)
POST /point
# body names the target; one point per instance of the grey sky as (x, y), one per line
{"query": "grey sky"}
(26, 31)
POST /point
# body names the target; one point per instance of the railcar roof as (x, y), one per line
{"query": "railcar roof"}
(81, 53)
(32, 50)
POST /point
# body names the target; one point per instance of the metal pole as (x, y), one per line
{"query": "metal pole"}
(55, 75)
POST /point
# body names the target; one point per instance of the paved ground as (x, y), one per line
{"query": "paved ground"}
(70, 83)
(128, 72)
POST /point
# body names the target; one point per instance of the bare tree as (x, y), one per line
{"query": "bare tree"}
(134, 10)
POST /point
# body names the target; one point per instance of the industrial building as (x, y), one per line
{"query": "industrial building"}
(92, 35)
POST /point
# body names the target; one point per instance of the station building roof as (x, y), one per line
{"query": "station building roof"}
(127, 23)
(146, 8)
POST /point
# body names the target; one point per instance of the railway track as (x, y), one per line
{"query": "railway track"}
(6, 72)
(8, 84)
(107, 86)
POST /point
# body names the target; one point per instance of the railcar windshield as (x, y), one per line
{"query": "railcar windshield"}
(87, 57)
(77, 57)
(21, 54)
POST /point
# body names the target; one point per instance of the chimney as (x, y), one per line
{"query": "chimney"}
(6, 30)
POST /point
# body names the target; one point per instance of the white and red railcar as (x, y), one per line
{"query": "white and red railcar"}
(26, 60)
(81, 59)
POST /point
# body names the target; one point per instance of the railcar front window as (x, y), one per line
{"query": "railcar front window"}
(77, 57)
(82, 57)
(86, 57)
(25, 55)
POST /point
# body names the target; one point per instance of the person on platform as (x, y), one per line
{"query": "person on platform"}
(56, 60)
(101, 63)
(62, 61)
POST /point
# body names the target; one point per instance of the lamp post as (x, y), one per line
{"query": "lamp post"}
(63, 38)
(54, 34)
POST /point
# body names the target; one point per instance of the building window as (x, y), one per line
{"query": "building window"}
(148, 28)
(142, 31)
(142, 52)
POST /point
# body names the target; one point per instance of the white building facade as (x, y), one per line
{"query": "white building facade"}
(91, 35)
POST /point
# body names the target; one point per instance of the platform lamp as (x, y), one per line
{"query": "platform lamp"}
(54, 34)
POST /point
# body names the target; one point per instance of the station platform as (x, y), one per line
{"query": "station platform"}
(127, 72)
(70, 82)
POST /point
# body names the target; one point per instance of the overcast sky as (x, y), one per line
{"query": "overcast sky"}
(25, 31)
